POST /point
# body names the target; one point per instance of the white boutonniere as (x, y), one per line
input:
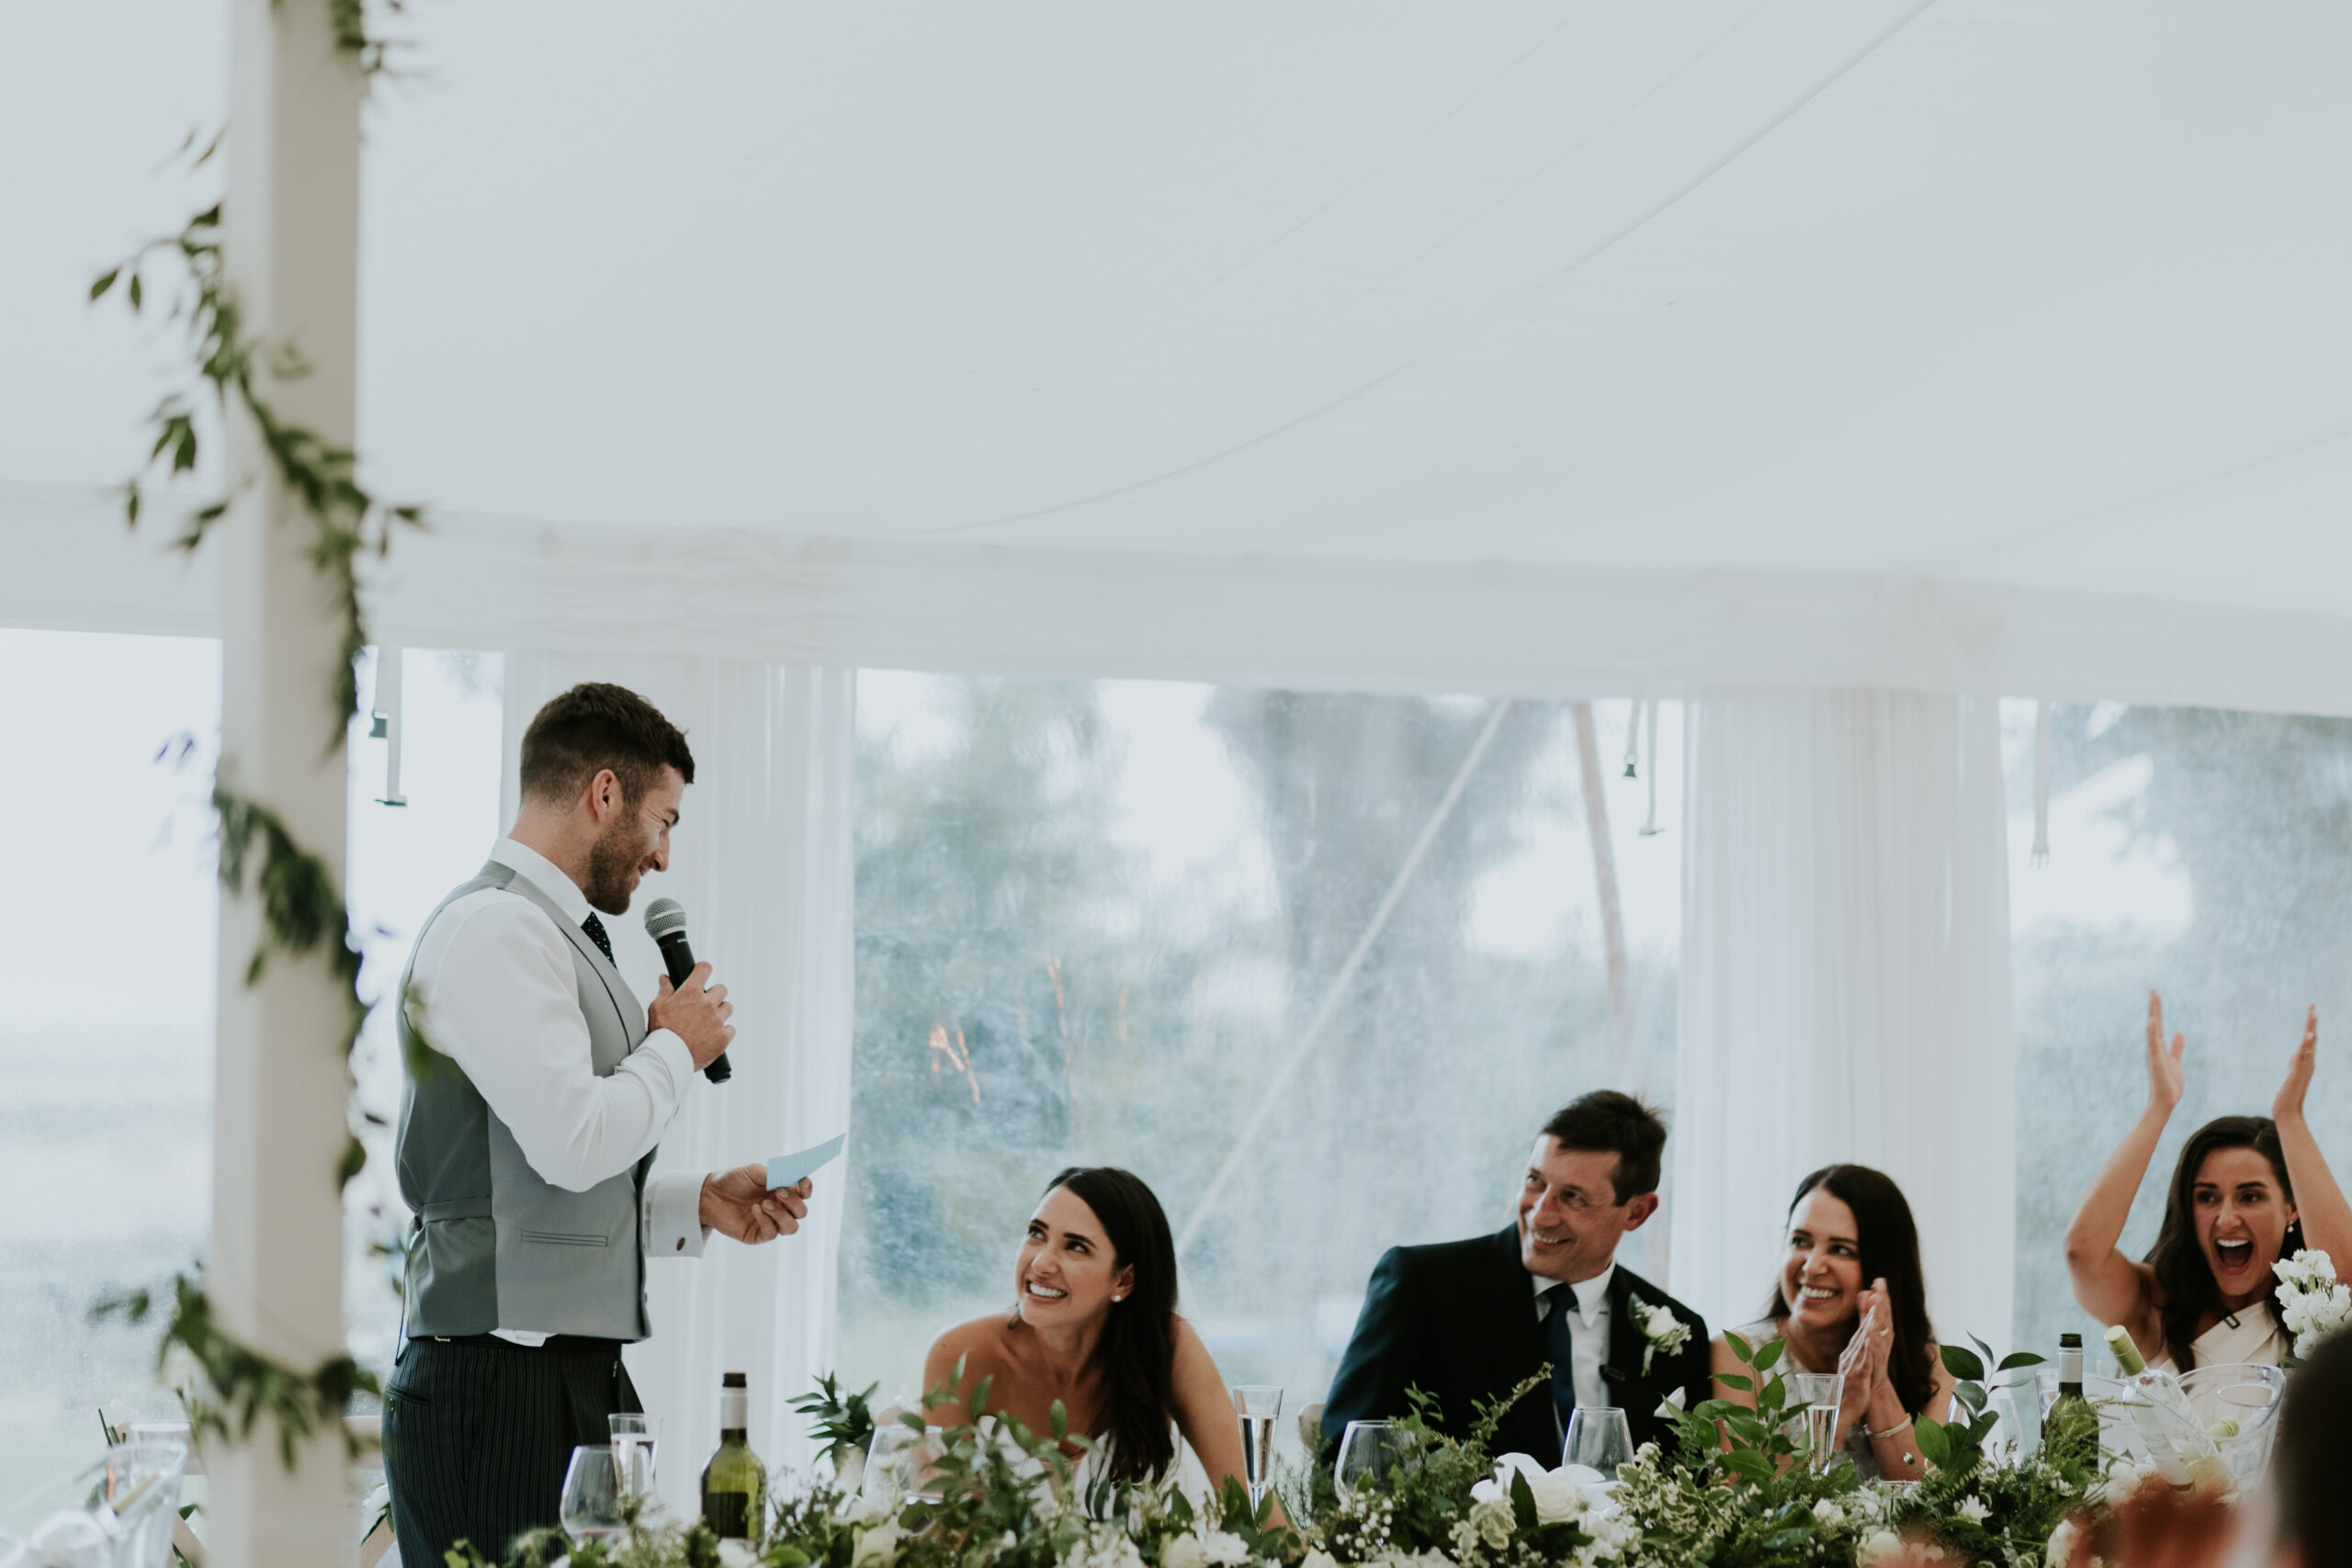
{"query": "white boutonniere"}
(1661, 1330)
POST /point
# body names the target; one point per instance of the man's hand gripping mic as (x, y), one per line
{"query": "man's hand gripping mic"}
(665, 922)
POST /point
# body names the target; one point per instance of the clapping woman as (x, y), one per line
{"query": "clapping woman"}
(1093, 1326)
(1852, 1299)
(2247, 1191)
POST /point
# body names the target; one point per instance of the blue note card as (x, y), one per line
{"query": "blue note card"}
(787, 1170)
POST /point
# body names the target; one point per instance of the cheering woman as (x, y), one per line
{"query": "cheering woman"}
(1852, 1300)
(2247, 1191)
(1093, 1324)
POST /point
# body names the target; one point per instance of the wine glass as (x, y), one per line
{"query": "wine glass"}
(1813, 1397)
(1366, 1451)
(590, 1509)
(1258, 1408)
(634, 1435)
(1599, 1439)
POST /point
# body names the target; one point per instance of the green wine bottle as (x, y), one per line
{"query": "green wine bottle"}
(734, 1484)
(2070, 1433)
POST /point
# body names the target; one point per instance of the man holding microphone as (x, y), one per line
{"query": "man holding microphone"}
(535, 1089)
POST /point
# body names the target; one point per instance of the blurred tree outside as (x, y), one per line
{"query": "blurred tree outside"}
(1028, 997)
(2254, 811)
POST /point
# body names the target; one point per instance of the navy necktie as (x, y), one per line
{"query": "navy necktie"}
(1556, 1347)
(596, 930)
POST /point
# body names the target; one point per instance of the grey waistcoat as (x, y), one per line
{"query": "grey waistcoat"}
(492, 1244)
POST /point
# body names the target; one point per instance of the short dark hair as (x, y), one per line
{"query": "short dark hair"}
(1608, 1121)
(593, 727)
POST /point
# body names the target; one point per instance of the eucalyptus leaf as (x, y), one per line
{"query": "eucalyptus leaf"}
(1934, 1446)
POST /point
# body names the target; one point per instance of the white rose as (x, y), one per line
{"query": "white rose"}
(1830, 1514)
(1558, 1499)
(1226, 1550)
(736, 1554)
(2061, 1550)
(878, 1545)
(1317, 1558)
(1974, 1510)
(1183, 1551)
(1880, 1546)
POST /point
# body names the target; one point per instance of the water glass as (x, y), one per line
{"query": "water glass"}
(1368, 1450)
(591, 1509)
(634, 1435)
(899, 1462)
(1812, 1398)
(1599, 1439)
(1258, 1407)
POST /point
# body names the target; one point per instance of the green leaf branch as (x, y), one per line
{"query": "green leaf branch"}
(304, 910)
(238, 1384)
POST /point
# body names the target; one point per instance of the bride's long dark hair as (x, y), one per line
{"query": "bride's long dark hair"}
(1137, 1354)
(2178, 1262)
(1890, 1243)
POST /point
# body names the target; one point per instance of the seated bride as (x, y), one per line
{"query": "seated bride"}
(1852, 1300)
(1093, 1324)
(2204, 1293)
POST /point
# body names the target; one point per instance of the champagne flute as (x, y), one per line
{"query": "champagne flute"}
(634, 1435)
(1599, 1439)
(1258, 1407)
(591, 1509)
(1366, 1451)
(1813, 1423)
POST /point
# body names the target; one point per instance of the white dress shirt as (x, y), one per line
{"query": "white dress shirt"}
(1588, 1337)
(494, 988)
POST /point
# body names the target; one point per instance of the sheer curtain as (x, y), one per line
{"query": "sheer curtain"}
(762, 863)
(1845, 986)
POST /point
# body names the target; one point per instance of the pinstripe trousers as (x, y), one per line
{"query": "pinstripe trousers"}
(478, 1433)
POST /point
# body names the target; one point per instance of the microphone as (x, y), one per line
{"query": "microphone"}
(665, 922)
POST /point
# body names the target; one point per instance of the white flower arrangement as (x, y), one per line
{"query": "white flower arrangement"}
(1559, 1497)
(2311, 1305)
(1661, 1330)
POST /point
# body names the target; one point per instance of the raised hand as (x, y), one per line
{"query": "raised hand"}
(1861, 1366)
(2165, 1079)
(2289, 1104)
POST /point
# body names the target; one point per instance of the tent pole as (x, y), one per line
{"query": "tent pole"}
(275, 1270)
(1604, 877)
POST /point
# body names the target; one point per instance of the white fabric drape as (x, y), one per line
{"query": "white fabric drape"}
(1845, 986)
(762, 863)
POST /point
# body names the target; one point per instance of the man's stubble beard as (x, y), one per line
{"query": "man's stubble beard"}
(611, 860)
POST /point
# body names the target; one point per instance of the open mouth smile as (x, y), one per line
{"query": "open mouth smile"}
(2234, 1256)
(1036, 1292)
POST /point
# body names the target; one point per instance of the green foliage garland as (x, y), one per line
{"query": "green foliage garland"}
(244, 1383)
(304, 911)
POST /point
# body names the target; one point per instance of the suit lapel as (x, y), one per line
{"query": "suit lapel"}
(1624, 1370)
(1515, 1342)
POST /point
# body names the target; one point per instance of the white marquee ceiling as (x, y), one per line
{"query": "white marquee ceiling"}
(2004, 299)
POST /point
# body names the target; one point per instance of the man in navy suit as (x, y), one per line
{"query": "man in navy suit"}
(1468, 1321)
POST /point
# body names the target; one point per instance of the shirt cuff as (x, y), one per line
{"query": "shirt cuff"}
(673, 1227)
(673, 1053)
